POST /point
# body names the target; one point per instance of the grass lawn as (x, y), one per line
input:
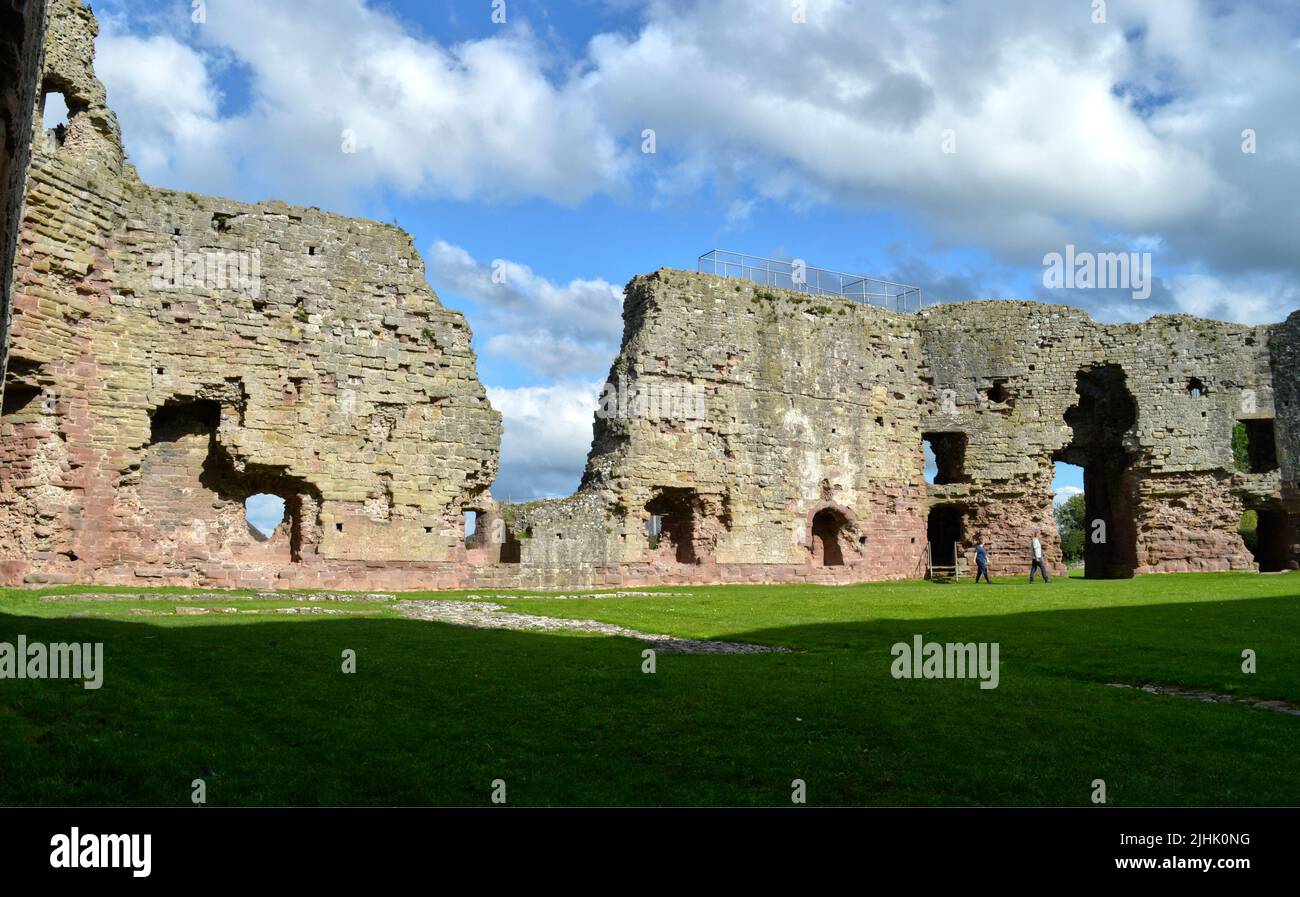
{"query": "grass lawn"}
(259, 708)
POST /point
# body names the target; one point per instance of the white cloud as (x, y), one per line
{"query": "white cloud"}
(1065, 493)
(475, 119)
(1247, 301)
(1065, 130)
(165, 97)
(546, 439)
(552, 329)
(857, 101)
(264, 512)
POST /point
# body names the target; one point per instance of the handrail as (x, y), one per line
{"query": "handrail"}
(798, 275)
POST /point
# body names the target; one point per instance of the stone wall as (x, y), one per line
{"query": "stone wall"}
(173, 355)
(1146, 409)
(816, 408)
(21, 33)
(765, 428)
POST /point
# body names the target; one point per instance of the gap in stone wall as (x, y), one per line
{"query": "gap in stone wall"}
(189, 477)
(1099, 422)
(1266, 533)
(947, 453)
(264, 513)
(945, 528)
(828, 534)
(1261, 445)
(676, 510)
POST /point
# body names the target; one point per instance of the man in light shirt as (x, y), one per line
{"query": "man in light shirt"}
(1036, 559)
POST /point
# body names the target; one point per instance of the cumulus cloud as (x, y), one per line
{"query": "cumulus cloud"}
(264, 512)
(1057, 125)
(546, 439)
(1040, 136)
(166, 98)
(556, 330)
(1065, 493)
(343, 98)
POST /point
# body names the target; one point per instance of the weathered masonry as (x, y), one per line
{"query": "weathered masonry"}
(807, 463)
(21, 32)
(173, 355)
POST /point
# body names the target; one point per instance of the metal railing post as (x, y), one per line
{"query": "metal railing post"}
(858, 288)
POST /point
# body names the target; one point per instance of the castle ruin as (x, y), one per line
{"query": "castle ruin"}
(171, 355)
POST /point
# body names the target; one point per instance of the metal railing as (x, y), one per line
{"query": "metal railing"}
(796, 275)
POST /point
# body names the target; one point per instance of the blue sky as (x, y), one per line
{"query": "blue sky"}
(946, 144)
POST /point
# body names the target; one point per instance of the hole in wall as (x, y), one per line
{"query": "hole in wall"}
(944, 528)
(654, 528)
(264, 512)
(1254, 445)
(55, 115)
(55, 110)
(945, 457)
(1099, 422)
(1264, 530)
(676, 509)
(1000, 394)
(827, 527)
(1069, 507)
(187, 472)
(18, 398)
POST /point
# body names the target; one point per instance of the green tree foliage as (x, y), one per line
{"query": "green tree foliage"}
(1249, 529)
(1240, 447)
(1072, 525)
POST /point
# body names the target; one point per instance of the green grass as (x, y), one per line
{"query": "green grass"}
(259, 708)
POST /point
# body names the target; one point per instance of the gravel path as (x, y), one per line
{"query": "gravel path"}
(489, 615)
(475, 611)
(1213, 698)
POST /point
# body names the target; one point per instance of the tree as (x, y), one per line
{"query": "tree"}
(1240, 447)
(1249, 530)
(1072, 525)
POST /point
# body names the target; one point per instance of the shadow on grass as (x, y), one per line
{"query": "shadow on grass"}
(263, 713)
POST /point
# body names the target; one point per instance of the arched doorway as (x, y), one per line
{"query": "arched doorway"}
(827, 530)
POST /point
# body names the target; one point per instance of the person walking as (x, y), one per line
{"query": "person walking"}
(1036, 559)
(982, 562)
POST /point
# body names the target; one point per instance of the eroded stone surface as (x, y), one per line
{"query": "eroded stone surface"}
(21, 31)
(305, 357)
(815, 409)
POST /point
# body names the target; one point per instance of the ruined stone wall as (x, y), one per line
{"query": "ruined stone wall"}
(763, 427)
(21, 33)
(174, 354)
(1179, 499)
(817, 404)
